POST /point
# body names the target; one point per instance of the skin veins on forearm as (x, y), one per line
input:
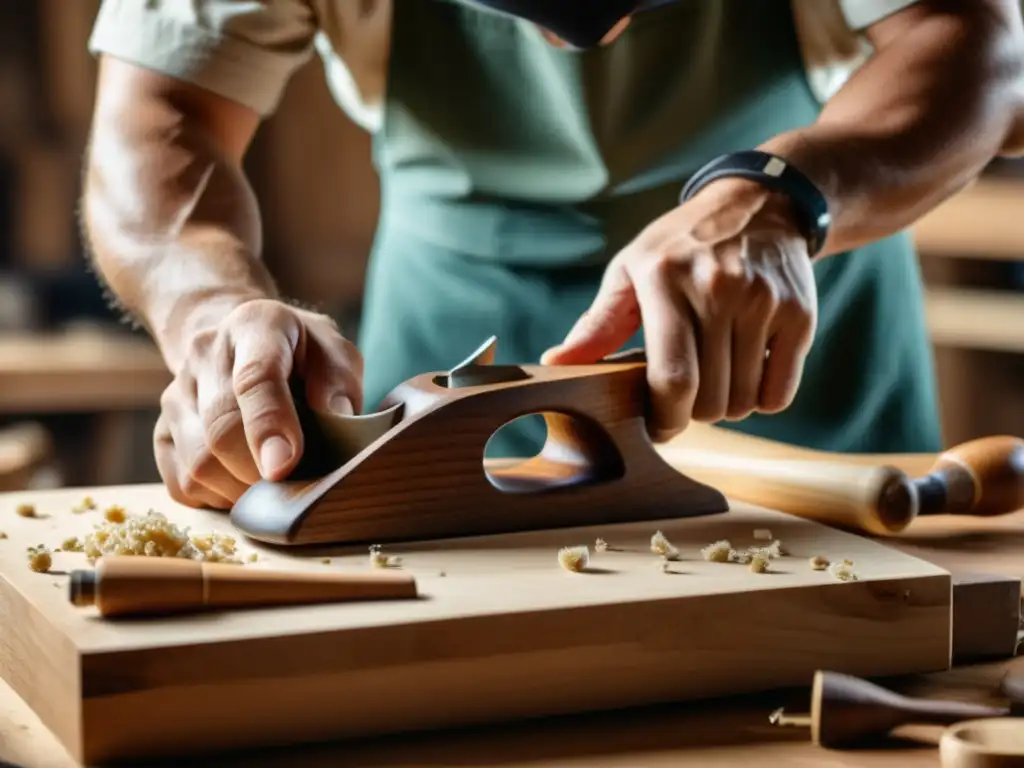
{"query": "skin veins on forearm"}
(172, 223)
(942, 96)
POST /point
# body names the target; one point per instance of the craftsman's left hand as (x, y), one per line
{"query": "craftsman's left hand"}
(726, 293)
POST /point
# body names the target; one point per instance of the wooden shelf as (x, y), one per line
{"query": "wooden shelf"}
(79, 371)
(976, 319)
(985, 221)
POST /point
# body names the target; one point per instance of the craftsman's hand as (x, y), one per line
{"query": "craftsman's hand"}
(724, 287)
(228, 419)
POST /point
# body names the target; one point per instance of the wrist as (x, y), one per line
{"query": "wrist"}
(190, 314)
(730, 206)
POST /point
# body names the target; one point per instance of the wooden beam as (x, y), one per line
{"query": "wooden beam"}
(976, 319)
(79, 371)
(985, 221)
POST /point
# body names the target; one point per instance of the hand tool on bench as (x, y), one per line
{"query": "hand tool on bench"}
(416, 470)
(132, 585)
(983, 477)
(847, 710)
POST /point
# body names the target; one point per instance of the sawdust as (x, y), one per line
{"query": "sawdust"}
(661, 546)
(153, 535)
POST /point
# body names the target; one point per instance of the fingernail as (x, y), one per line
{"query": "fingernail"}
(663, 435)
(341, 406)
(274, 454)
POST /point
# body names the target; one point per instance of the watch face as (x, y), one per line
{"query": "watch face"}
(576, 23)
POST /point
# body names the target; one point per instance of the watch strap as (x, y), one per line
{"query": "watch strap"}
(777, 174)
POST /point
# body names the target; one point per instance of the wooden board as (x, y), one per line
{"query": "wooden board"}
(503, 633)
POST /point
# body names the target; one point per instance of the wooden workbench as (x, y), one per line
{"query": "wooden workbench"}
(79, 371)
(87, 370)
(725, 732)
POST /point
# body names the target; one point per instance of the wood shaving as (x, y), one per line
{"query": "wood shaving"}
(39, 559)
(736, 556)
(115, 514)
(661, 546)
(216, 547)
(379, 560)
(819, 563)
(773, 551)
(759, 564)
(26, 510)
(84, 505)
(600, 545)
(574, 558)
(153, 535)
(718, 552)
(842, 571)
(762, 534)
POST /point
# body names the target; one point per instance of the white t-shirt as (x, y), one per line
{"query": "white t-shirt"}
(246, 50)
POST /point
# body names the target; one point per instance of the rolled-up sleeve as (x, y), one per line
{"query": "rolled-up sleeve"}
(861, 14)
(244, 50)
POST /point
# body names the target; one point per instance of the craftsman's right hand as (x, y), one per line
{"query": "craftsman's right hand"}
(228, 419)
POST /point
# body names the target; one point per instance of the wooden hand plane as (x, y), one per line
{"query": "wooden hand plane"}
(415, 469)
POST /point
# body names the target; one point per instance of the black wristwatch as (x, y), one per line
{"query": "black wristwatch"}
(772, 171)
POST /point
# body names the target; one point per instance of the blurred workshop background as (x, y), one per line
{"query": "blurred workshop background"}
(79, 389)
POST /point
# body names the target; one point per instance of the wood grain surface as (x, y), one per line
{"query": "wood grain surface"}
(503, 633)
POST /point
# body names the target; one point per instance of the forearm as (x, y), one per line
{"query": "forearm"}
(172, 223)
(918, 122)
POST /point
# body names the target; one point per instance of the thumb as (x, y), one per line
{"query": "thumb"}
(262, 366)
(610, 322)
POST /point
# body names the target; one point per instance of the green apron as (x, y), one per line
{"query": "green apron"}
(512, 171)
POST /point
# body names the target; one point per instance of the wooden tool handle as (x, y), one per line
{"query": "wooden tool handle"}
(879, 500)
(947, 712)
(847, 709)
(138, 585)
(982, 477)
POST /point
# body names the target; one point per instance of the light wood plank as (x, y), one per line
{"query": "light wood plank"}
(79, 371)
(976, 319)
(985, 221)
(505, 633)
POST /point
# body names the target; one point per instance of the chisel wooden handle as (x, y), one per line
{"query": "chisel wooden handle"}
(982, 477)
